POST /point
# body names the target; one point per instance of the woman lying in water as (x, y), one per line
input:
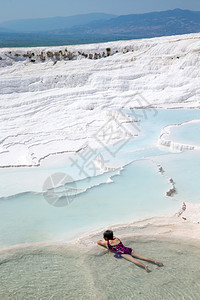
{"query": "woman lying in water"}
(115, 245)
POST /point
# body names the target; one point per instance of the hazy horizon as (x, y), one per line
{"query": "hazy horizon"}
(64, 8)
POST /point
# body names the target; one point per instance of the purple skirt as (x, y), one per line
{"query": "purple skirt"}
(119, 249)
(124, 250)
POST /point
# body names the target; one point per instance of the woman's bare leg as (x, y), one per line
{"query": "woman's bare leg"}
(134, 254)
(135, 261)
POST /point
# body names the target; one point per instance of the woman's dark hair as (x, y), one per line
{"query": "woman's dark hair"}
(108, 234)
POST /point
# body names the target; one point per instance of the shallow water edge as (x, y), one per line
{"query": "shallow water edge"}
(82, 270)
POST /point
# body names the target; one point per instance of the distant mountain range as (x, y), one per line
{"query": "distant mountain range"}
(97, 27)
(48, 24)
(143, 25)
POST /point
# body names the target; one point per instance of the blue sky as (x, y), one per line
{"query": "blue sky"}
(23, 9)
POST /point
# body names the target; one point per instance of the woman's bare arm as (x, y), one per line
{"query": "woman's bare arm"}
(102, 243)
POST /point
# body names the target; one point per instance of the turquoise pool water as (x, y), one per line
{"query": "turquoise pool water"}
(29, 218)
(188, 133)
(119, 196)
